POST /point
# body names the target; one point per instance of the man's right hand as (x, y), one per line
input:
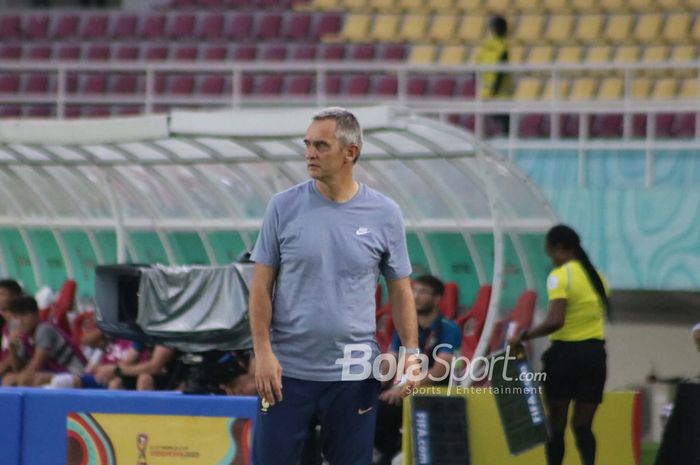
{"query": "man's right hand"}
(268, 377)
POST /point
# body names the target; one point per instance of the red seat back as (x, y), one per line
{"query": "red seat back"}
(450, 300)
(472, 323)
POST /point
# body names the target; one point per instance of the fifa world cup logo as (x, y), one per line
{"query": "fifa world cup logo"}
(141, 444)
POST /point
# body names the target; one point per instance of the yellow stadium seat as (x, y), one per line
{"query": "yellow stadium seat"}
(452, 55)
(562, 89)
(611, 88)
(355, 28)
(642, 5)
(599, 54)
(570, 54)
(618, 28)
(588, 28)
(614, 6)
(526, 6)
(422, 54)
(468, 6)
(647, 29)
(472, 29)
(665, 89)
(528, 88)
(529, 29)
(695, 33)
(655, 54)
(540, 54)
(641, 88)
(382, 5)
(441, 6)
(324, 5)
(385, 28)
(684, 53)
(413, 28)
(689, 89)
(443, 28)
(583, 89)
(626, 54)
(498, 6)
(676, 28)
(355, 5)
(559, 29)
(555, 6)
(516, 55)
(584, 6)
(670, 5)
(411, 6)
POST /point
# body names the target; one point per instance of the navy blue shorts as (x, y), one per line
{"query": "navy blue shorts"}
(346, 411)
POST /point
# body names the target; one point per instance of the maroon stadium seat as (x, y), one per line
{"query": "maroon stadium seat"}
(125, 26)
(664, 124)
(127, 52)
(211, 27)
(363, 52)
(40, 52)
(247, 85)
(300, 85)
(186, 52)
(358, 85)
(333, 84)
(11, 52)
(10, 27)
(177, 4)
(275, 53)
(182, 27)
(216, 52)
(125, 84)
(684, 125)
(213, 85)
(568, 126)
(128, 110)
(182, 85)
(153, 27)
(69, 52)
(95, 28)
(67, 27)
(269, 27)
(9, 83)
(95, 84)
(10, 111)
(468, 88)
(97, 111)
(37, 27)
(71, 111)
(212, 3)
(298, 27)
(240, 28)
(304, 52)
(606, 126)
(387, 85)
(236, 4)
(417, 86)
(328, 24)
(36, 83)
(531, 126)
(245, 53)
(394, 52)
(157, 52)
(444, 87)
(38, 111)
(333, 52)
(270, 85)
(98, 52)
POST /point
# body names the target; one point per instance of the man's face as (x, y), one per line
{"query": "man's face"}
(324, 155)
(5, 298)
(426, 301)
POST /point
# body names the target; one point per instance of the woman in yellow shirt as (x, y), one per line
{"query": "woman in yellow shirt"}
(575, 363)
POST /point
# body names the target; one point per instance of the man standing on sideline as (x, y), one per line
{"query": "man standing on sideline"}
(322, 246)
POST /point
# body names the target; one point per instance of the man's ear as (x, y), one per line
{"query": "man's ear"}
(351, 153)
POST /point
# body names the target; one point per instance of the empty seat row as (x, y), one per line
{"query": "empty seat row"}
(229, 4)
(243, 52)
(672, 28)
(240, 26)
(506, 6)
(608, 88)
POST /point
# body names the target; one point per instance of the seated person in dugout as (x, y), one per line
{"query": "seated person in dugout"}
(433, 330)
(151, 372)
(50, 350)
(9, 290)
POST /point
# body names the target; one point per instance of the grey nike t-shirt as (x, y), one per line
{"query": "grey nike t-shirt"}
(329, 256)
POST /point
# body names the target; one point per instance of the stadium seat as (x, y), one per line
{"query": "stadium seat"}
(562, 89)
(584, 6)
(582, 89)
(641, 6)
(529, 29)
(124, 84)
(540, 54)
(554, 6)
(304, 52)
(36, 83)
(531, 126)
(471, 29)
(676, 28)
(298, 27)
(684, 125)
(613, 6)
(598, 54)
(245, 53)
(181, 84)
(39, 52)
(333, 52)
(156, 52)
(384, 28)
(125, 26)
(94, 84)
(665, 88)
(559, 29)
(270, 27)
(213, 85)
(274, 53)
(153, 27)
(588, 29)
(626, 54)
(682, 53)
(655, 54)
(127, 52)
(689, 88)
(450, 300)
(358, 85)
(606, 126)
(38, 111)
(422, 54)
(444, 87)
(515, 54)
(467, 6)
(417, 86)
(569, 54)
(471, 324)
(300, 85)
(393, 52)
(647, 28)
(411, 6)
(69, 52)
(356, 28)
(333, 84)
(269, 85)
(36, 27)
(363, 52)
(11, 52)
(641, 88)
(211, 27)
(10, 111)
(182, 27)
(240, 28)
(95, 28)
(186, 52)
(387, 86)
(328, 24)
(528, 88)
(215, 53)
(441, 6)
(452, 55)
(98, 53)
(57, 312)
(611, 88)
(618, 28)
(442, 28)
(468, 88)
(9, 83)
(413, 28)
(10, 27)
(517, 321)
(67, 27)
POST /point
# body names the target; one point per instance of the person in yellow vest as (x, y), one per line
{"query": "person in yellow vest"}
(494, 51)
(575, 363)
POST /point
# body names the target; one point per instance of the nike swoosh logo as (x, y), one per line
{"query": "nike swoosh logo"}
(362, 411)
(362, 231)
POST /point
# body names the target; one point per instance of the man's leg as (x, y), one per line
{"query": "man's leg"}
(280, 429)
(348, 415)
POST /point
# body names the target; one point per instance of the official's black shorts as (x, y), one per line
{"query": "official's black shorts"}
(575, 370)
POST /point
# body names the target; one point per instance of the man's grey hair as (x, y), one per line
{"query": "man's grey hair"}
(347, 130)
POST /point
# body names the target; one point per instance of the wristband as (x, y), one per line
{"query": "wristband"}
(414, 351)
